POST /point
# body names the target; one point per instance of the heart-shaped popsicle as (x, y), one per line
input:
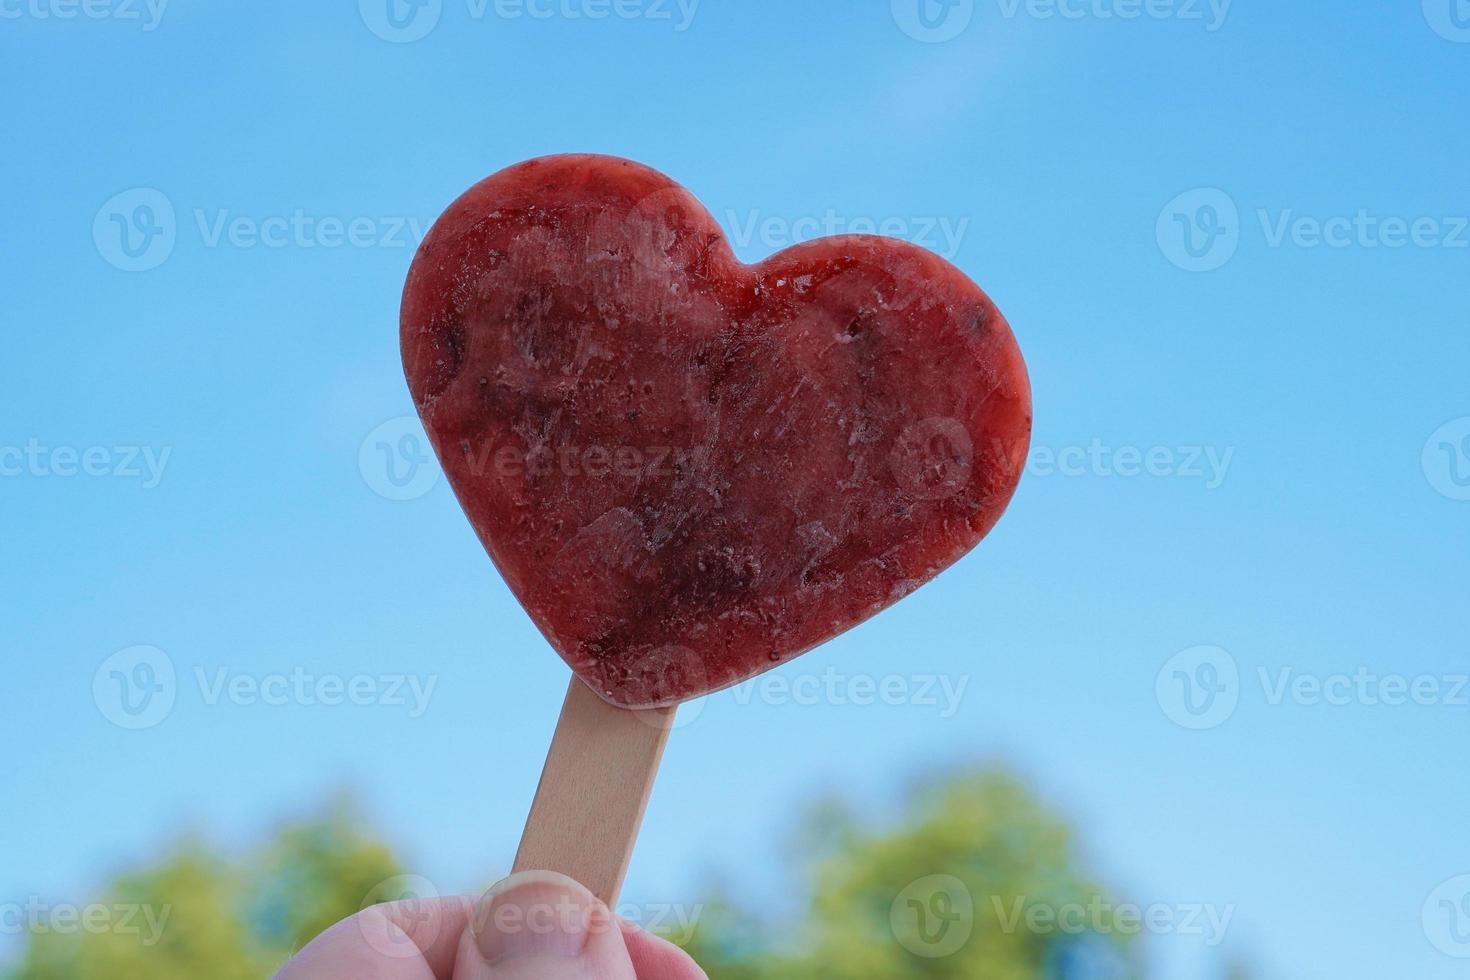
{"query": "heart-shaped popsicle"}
(689, 469)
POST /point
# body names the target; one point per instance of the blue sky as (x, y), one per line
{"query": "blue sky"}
(1231, 240)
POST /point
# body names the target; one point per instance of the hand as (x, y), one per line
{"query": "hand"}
(536, 925)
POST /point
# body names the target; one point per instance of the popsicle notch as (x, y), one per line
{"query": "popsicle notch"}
(689, 469)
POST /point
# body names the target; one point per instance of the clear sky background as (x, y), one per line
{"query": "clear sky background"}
(1067, 156)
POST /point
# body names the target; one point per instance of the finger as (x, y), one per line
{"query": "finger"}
(655, 958)
(539, 925)
(410, 940)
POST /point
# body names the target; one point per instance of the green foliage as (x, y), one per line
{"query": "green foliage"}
(962, 888)
(315, 873)
(966, 885)
(197, 915)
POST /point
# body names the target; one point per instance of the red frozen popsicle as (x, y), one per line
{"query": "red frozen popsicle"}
(688, 469)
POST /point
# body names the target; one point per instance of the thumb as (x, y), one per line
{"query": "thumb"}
(540, 925)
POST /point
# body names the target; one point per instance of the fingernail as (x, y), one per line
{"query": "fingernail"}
(534, 913)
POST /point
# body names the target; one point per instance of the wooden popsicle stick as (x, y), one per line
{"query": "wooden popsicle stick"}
(594, 788)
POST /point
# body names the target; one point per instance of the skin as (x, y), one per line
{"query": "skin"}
(460, 939)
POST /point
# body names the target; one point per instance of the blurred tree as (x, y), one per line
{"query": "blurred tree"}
(316, 872)
(171, 922)
(978, 881)
(198, 915)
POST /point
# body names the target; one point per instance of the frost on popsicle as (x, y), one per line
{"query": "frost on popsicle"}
(689, 469)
